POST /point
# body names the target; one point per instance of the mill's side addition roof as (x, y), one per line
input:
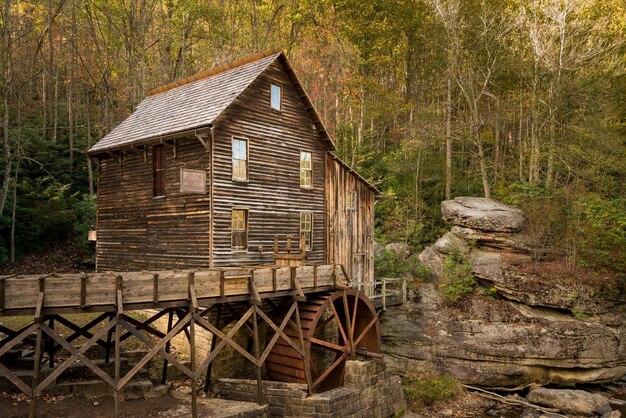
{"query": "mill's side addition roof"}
(197, 101)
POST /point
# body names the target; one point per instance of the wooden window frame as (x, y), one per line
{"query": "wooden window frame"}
(304, 186)
(309, 245)
(352, 199)
(280, 98)
(246, 230)
(232, 159)
(159, 174)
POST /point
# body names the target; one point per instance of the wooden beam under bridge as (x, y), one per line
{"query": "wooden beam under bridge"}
(289, 284)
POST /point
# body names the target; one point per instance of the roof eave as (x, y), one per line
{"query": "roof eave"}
(357, 175)
(151, 140)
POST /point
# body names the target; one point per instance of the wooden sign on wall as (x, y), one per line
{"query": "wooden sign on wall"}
(192, 181)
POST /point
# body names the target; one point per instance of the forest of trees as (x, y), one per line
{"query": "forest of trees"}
(519, 100)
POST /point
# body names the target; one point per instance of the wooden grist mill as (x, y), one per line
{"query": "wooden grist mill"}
(200, 193)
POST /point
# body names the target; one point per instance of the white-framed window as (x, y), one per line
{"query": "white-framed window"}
(306, 169)
(351, 200)
(239, 229)
(306, 228)
(276, 97)
(240, 159)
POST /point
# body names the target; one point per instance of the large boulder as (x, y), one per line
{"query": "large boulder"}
(483, 214)
(518, 327)
(571, 401)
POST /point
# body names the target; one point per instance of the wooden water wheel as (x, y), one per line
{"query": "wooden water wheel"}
(335, 325)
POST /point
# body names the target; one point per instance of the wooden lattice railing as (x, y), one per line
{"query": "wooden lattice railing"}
(385, 291)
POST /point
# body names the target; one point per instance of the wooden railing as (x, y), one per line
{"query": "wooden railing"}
(385, 291)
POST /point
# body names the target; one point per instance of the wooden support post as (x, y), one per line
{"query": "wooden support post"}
(288, 244)
(118, 311)
(50, 346)
(2, 280)
(155, 288)
(222, 283)
(274, 279)
(194, 389)
(107, 350)
(315, 275)
(384, 295)
(37, 357)
(193, 308)
(170, 320)
(83, 291)
(257, 355)
(253, 289)
(292, 281)
(207, 381)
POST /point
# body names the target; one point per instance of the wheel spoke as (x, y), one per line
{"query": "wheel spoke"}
(326, 344)
(329, 370)
(356, 304)
(346, 313)
(343, 333)
(367, 328)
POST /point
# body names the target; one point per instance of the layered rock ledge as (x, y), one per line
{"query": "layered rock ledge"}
(521, 325)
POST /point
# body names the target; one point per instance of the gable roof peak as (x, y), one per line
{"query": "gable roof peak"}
(215, 70)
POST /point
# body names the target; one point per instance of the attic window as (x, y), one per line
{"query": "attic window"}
(306, 169)
(240, 159)
(158, 171)
(276, 97)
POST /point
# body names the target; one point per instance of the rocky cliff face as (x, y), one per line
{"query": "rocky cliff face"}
(525, 322)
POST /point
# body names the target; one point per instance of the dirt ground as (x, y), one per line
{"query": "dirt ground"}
(103, 407)
(16, 406)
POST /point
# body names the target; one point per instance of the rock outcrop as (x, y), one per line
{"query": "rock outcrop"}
(520, 326)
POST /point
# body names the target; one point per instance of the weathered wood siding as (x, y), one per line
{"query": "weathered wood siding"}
(350, 231)
(138, 231)
(272, 194)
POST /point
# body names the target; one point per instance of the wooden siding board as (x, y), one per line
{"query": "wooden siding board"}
(272, 193)
(350, 232)
(138, 231)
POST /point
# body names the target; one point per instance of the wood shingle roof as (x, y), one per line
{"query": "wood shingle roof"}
(187, 104)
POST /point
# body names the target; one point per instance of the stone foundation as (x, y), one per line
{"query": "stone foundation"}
(369, 391)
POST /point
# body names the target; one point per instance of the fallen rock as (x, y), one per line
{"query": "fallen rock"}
(483, 214)
(570, 401)
(612, 414)
(402, 250)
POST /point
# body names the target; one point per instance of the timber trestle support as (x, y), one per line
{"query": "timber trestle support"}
(283, 310)
(110, 329)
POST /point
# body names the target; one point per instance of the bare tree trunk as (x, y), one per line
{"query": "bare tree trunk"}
(449, 138)
(519, 140)
(497, 145)
(55, 105)
(533, 166)
(6, 83)
(89, 166)
(482, 163)
(70, 117)
(70, 90)
(13, 211)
